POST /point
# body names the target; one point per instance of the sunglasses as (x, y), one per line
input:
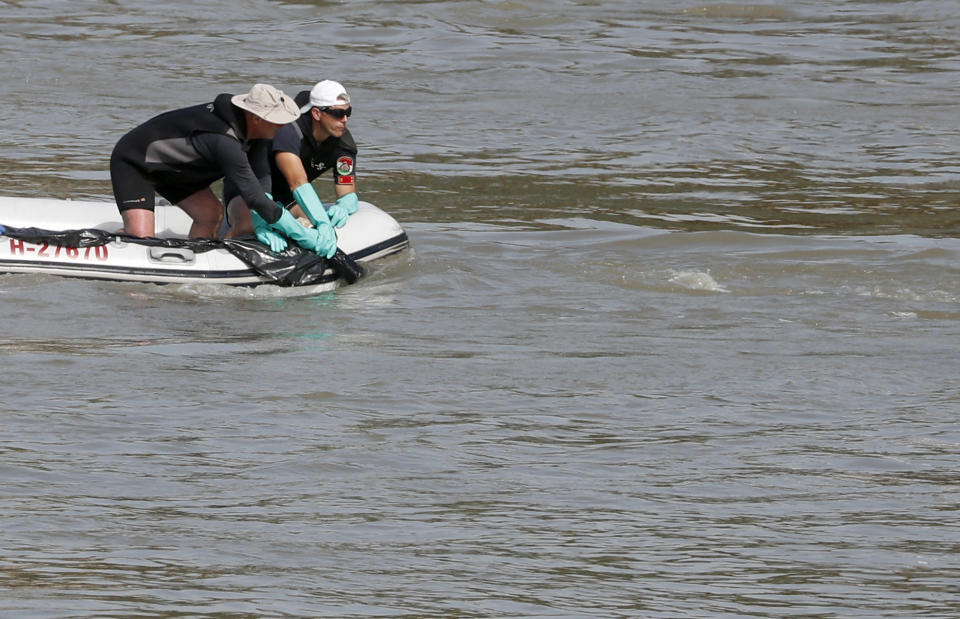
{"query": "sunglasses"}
(338, 113)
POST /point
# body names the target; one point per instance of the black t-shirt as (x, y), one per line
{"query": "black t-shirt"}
(338, 154)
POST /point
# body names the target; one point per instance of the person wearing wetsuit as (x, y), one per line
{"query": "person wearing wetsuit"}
(178, 154)
(300, 152)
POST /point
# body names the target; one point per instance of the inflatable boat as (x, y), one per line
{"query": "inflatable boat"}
(77, 238)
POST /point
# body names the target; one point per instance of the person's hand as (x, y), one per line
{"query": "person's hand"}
(322, 239)
(271, 239)
(343, 208)
(337, 214)
(326, 240)
(349, 202)
(266, 235)
(306, 196)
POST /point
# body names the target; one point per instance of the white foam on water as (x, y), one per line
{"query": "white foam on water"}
(697, 280)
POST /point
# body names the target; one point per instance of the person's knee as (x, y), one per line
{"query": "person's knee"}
(238, 214)
(210, 218)
(205, 210)
(206, 225)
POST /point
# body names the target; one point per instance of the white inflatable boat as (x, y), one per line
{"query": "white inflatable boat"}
(78, 239)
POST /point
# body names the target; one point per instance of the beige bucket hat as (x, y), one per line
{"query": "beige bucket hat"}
(268, 103)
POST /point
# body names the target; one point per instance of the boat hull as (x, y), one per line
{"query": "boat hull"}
(75, 238)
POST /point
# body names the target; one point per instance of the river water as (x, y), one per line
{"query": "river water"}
(676, 337)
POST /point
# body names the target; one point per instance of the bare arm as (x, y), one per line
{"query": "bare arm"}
(345, 188)
(292, 169)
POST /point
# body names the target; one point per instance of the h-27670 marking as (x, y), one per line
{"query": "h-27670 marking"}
(46, 250)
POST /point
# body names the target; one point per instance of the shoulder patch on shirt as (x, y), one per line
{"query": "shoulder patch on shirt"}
(345, 166)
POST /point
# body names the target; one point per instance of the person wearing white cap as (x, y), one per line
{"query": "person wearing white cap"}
(179, 154)
(300, 152)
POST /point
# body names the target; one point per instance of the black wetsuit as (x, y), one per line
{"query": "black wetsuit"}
(181, 152)
(339, 154)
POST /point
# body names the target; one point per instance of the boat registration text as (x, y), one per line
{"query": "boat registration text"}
(50, 251)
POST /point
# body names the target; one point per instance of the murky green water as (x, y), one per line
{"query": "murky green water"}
(676, 338)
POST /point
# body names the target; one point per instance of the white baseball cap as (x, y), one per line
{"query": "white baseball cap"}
(268, 103)
(326, 94)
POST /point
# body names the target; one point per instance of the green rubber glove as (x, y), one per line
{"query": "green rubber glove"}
(337, 215)
(322, 239)
(306, 196)
(349, 202)
(267, 236)
(341, 209)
